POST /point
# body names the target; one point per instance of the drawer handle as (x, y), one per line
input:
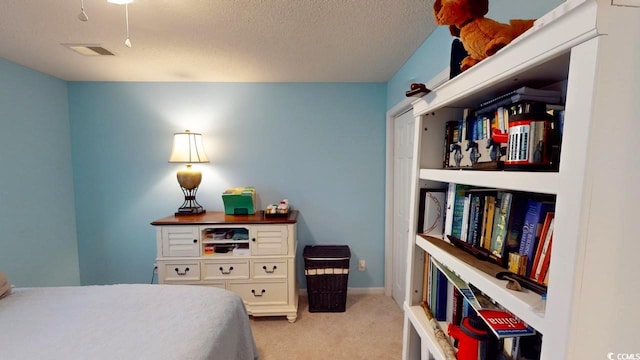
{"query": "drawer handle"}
(186, 270)
(253, 239)
(269, 272)
(227, 272)
(261, 293)
(195, 241)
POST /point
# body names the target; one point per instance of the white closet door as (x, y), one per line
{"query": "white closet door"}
(404, 126)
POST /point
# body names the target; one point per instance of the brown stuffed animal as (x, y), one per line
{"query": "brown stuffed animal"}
(480, 36)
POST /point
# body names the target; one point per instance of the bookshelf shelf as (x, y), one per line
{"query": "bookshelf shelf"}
(540, 182)
(519, 303)
(425, 331)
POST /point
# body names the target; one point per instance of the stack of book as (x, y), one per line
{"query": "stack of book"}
(515, 228)
(471, 141)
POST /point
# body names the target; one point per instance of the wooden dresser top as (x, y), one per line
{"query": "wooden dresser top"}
(219, 217)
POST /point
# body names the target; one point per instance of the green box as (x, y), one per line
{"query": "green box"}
(239, 201)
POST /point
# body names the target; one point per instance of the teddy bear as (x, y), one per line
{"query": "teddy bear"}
(481, 37)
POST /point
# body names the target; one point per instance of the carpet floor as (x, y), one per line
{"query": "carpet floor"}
(370, 328)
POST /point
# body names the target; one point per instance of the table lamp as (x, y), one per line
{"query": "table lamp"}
(188, 148)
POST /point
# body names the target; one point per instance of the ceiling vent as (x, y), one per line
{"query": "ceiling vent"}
(89, 49)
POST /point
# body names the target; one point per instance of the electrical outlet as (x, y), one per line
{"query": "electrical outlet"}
(362, 265)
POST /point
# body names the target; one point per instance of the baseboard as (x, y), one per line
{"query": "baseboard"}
(355, 291)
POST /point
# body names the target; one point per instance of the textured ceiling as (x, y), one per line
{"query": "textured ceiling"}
(218, 40)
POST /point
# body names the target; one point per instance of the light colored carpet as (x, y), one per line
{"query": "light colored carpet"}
(370, 328)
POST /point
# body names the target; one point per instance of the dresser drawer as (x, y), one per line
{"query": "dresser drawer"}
(269, 269)
(180, 241)
(180, 272)
(263, 293)
(225, 270)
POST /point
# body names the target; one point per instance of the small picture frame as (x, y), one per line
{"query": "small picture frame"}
(431, 211)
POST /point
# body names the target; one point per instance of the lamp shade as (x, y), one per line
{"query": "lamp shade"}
(188, 148)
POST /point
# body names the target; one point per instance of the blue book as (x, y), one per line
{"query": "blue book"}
(536, 211)
(441, 296)
(500, 223)
(514, 227)
(458, 211)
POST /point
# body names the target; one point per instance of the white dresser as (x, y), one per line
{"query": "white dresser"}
(250, 255)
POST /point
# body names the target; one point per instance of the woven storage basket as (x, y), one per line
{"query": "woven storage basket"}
(327, 273)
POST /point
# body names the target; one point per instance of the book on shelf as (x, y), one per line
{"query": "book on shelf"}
(431, 211)
(501, 322)
(524, 91)
(532, 227)
(456, 302)
(435, 291)
(517, 263)
(476, 203)
(453, 135)
(426, 278)
(542, 262)
(441, 295)
(500, 223)
(543, 246)
(514, 225)
(490, 201)
(455, 209)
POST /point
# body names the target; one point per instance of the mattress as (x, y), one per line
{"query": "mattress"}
(125, 322)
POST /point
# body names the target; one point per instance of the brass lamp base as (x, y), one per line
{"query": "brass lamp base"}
(189, 180)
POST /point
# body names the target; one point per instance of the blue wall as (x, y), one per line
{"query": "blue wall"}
(322, 146)
(37, 222)
(433, 55)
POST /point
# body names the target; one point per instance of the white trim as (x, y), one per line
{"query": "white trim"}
(439, 79)
(357, 291)
(396, 110)
(633, 3)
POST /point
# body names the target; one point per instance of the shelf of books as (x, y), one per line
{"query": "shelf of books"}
(520, 303)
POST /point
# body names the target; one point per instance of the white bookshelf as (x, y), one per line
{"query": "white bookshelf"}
(588, 48)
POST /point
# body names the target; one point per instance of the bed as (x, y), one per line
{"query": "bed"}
(125, 322)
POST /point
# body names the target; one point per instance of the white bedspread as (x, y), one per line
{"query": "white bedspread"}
(172, 322)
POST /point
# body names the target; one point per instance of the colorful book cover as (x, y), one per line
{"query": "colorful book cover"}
(531, 229)
(500, 223)
(501, 322)
(457, 315)
(475, 220)
(465, 218)
(483, 220)
(514, 227)
(441, 297)
(545, 236)
(458, 211)
(488, 228)
(545, 255)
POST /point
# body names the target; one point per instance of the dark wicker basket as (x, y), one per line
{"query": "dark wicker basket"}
(327, 273)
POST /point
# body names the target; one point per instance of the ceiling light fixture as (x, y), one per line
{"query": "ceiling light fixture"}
(83, 15)
(126, 3)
